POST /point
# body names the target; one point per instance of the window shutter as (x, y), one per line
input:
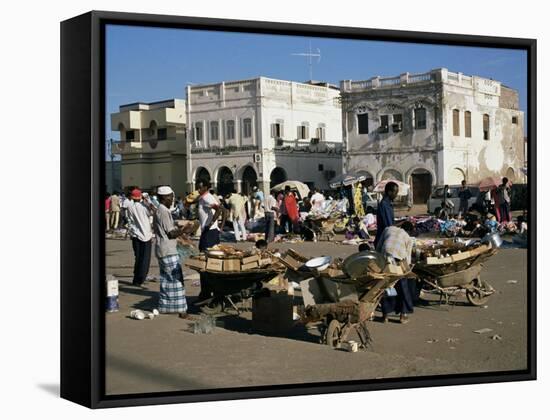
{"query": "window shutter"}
(468, 124)
(273, 130)
(307, 132)
(456, 119)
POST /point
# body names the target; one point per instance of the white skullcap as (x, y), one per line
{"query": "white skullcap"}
(164, 190)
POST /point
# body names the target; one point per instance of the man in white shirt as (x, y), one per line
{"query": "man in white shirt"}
(209, 212)
(236, 213)
(317, 200)
(271, 211)
(140, 232)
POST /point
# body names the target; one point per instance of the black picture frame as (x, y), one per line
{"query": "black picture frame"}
(82, 242)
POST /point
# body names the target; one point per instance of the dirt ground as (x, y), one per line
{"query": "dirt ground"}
(163, 354)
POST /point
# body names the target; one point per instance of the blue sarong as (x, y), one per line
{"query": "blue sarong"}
(172, 291)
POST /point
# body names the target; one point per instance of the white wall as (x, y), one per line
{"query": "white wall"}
(476, 157)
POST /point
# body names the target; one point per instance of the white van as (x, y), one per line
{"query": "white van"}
(436, 198)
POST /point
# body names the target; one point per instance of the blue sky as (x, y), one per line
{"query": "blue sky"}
(151, 64)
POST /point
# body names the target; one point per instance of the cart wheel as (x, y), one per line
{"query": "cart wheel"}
(474, 296)
(333, 333)
(213, 308)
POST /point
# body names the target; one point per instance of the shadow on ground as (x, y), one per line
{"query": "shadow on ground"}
(52, 389)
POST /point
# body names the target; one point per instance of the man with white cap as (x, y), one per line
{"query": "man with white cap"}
(139, 227)
(172, 290)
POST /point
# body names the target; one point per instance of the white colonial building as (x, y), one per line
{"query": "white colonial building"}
(431, 129)
(152, 144)
(235, 134)
(263, 131)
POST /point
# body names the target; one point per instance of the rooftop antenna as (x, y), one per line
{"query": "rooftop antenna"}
(310, 56)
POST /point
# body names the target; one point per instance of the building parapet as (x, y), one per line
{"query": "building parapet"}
(405, 79)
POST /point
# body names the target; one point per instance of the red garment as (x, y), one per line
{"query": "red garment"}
(496, 198)
(291, 207)
(108, 204)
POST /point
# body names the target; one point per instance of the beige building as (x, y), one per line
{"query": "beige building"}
(152, 144)
(432, 129)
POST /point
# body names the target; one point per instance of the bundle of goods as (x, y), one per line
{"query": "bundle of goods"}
(333, 209)
(451, 227)
(222, 258)
(427, 225)
(507, 227)
(448, 256)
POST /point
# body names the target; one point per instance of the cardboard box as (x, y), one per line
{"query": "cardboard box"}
(461, 256)
(214, 264)
(393, 269)
(195, 263)
(479, 250)
(334, 272)
(273, 314)
(232, 265)
(432, 260)
(265, 261)
(249, 266)
(253, 258)
(293, 263)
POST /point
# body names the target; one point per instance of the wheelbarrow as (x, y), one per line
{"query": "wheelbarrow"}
(346, 304)
(477, 290)
(323, 227)
(226, 289)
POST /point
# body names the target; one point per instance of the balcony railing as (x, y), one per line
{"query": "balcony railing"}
(225, 150)
(310, 146)
(145, 146)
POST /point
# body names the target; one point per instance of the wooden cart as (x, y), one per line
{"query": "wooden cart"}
(341, 316)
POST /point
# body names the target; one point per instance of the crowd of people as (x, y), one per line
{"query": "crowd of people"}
(155, 215)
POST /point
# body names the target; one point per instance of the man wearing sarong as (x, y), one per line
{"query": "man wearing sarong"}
(172, 290)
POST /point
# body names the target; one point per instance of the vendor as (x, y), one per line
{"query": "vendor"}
(384, 212)
(172, 291)
(396, 243)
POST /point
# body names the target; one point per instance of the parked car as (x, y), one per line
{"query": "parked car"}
(436, 198)
(371, 202)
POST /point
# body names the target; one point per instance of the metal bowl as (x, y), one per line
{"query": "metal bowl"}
(492, 238)
(357, 265)
(319, 263)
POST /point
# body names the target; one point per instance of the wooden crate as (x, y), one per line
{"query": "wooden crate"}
(214, 264)
(249, 266)
(251, 259)
(233, 264)
(195, 263)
